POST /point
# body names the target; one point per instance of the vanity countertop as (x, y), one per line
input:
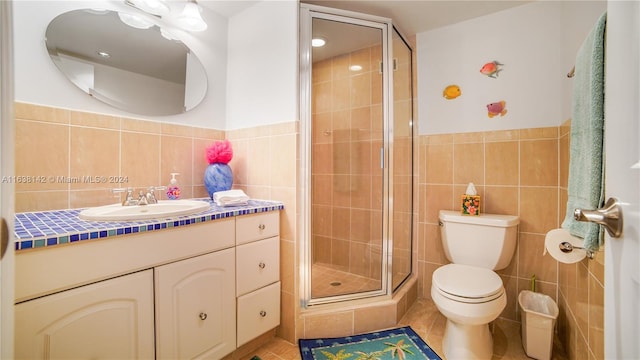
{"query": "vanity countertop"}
(50, 228)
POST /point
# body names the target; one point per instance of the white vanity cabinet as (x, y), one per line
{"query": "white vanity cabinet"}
(187, 292)
(195, 307)
(258, 275)
(112, 319)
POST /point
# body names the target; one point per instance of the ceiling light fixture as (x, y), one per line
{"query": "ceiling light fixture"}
(154, 7)
(97, 11)
(318, 42)
(190, 19)
(134, 21)
(167, 35)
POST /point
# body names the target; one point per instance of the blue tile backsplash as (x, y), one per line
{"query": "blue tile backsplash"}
(49, 228)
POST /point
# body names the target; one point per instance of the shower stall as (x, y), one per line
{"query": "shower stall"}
(356, 155)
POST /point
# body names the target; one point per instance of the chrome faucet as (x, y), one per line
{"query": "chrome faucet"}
(144, 198)
(128, 200)
(150, 197)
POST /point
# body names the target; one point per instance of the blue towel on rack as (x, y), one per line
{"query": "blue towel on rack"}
(586, 161)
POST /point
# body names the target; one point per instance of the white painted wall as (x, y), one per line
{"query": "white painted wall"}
(263, 65)
(251, 63)
(38, 81)
(578, 17)
(536, 43)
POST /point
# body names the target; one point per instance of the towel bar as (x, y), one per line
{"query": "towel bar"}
(572, 72)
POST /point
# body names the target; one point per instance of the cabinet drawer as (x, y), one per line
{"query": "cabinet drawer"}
(257, 226)
(258, 312)
(257, 264)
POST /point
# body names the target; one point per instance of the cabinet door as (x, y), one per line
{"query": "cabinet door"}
(110, 319)
(195, 307)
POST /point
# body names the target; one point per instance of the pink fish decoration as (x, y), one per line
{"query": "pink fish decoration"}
(491, 69)
(497, 108)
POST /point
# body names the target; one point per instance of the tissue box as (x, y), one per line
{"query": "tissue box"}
(470, 204)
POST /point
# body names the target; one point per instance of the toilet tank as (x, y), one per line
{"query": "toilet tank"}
(485, 240)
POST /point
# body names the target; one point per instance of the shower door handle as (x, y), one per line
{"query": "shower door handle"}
(609, 216)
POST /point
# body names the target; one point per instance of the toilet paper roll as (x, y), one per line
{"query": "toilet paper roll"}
(552, 245)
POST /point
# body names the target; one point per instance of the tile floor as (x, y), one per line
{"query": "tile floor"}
(427, 321)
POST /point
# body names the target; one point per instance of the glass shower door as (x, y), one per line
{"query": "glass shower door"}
(403, 216)
(347, 147)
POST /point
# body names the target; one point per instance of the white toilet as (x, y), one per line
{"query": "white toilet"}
(468, 292)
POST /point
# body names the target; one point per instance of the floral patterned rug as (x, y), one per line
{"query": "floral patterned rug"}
(401, 343)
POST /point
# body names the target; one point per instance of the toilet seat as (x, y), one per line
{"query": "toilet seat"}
(467, 284)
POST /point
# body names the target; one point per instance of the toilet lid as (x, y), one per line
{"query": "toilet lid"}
(467, 283)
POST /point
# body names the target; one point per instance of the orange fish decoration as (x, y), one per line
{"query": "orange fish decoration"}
(491, 69)
(496, 108)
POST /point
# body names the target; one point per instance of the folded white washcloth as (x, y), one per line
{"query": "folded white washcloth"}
(230, 198)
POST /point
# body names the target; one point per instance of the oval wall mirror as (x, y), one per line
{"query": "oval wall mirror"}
(141, 69)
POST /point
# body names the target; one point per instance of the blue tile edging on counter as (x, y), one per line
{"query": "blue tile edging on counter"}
(56, 227)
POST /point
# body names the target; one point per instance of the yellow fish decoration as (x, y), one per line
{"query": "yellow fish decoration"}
(451, 92)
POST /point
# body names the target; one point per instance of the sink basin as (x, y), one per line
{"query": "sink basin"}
(163, 209)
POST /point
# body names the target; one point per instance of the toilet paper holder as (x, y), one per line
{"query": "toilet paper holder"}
(567, 247)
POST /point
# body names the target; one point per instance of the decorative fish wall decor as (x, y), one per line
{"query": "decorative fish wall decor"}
(491, 69)
(497, 108)
(451, 92)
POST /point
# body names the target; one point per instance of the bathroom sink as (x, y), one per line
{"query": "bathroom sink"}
(163, 209)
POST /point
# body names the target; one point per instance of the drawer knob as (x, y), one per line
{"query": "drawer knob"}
(262, 226)
(263, 313)
(203, 316)
(262, 265)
